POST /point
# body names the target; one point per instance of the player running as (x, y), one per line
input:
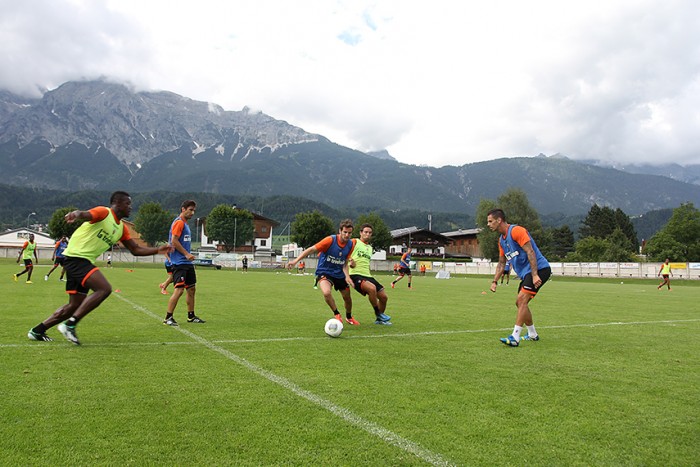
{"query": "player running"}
(332, 269)
(58, 258)
(28, 249)
(362, 278)
(103, 229)
(404, 268)
(169, 280)
(666, 273)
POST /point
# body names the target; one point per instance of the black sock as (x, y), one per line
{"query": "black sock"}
(336, 312)
(39, 328)
(376, 311)
(72, 321)
(168, 315)
(348, 315)
(190, 314)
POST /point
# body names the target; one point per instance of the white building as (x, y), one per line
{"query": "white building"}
(17, 237)
(11, 243)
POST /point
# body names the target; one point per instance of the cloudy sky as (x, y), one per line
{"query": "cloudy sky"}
(436, 83)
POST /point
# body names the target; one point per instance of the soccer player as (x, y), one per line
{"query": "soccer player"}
(515, 244)
(58, 258)
(362, 278)
(404, 268)
(506, 273)
(332, 270)
(245, 263)
(184, 275)
(28, 249)
(103, 229)
(665, 272)
(169, 280)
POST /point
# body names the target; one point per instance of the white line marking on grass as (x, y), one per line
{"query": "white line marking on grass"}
(366, 425)
(374, 336)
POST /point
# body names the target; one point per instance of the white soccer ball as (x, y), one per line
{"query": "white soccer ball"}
(333, 327)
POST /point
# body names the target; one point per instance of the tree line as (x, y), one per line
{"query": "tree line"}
(605, 234)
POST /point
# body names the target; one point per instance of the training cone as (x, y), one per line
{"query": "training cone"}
(118, 290)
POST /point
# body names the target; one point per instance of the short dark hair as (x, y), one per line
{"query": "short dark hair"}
(497, 214)
(345, 223)
(117, 195)
(365, 225)
(187, 203)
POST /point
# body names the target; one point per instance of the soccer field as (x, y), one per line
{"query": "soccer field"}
(614, 379)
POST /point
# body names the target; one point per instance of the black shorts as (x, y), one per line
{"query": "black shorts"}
(184, 275)
(169, 268)
(405, 271)
(28, 263)
(665, 276)
(527, 285)
(78, 270)
(506, 272)
(59, 260)
(358, 280)
(338, 284)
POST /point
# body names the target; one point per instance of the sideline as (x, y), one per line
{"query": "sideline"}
(366, 425)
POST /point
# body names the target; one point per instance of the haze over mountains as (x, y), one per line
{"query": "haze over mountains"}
(102, 135)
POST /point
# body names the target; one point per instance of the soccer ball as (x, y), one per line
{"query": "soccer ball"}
(333, 327)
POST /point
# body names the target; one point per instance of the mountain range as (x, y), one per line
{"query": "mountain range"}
(106, 136)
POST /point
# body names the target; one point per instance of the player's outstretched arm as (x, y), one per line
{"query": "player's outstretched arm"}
(78, 215)
(138, 250)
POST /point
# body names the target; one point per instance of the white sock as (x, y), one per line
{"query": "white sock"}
(516, 332)
(531, 331)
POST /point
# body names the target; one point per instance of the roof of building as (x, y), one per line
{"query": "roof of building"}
(457, 233)
(404, 231)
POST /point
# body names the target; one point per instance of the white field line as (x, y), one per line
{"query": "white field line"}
(366, 425)
(375, 336)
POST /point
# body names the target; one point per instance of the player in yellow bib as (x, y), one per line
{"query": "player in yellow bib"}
(362, 278)
(28, 249)
(103, 229)
(665, 272)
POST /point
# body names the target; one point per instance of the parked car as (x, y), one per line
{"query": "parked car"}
(206, 263)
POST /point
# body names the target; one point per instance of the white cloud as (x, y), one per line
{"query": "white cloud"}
(439, 83)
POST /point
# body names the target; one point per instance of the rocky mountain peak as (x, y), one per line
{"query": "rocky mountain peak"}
(138, 126)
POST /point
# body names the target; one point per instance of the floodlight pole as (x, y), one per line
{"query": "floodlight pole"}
(30, 215)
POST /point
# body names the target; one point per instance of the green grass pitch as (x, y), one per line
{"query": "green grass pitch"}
(614, 380)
